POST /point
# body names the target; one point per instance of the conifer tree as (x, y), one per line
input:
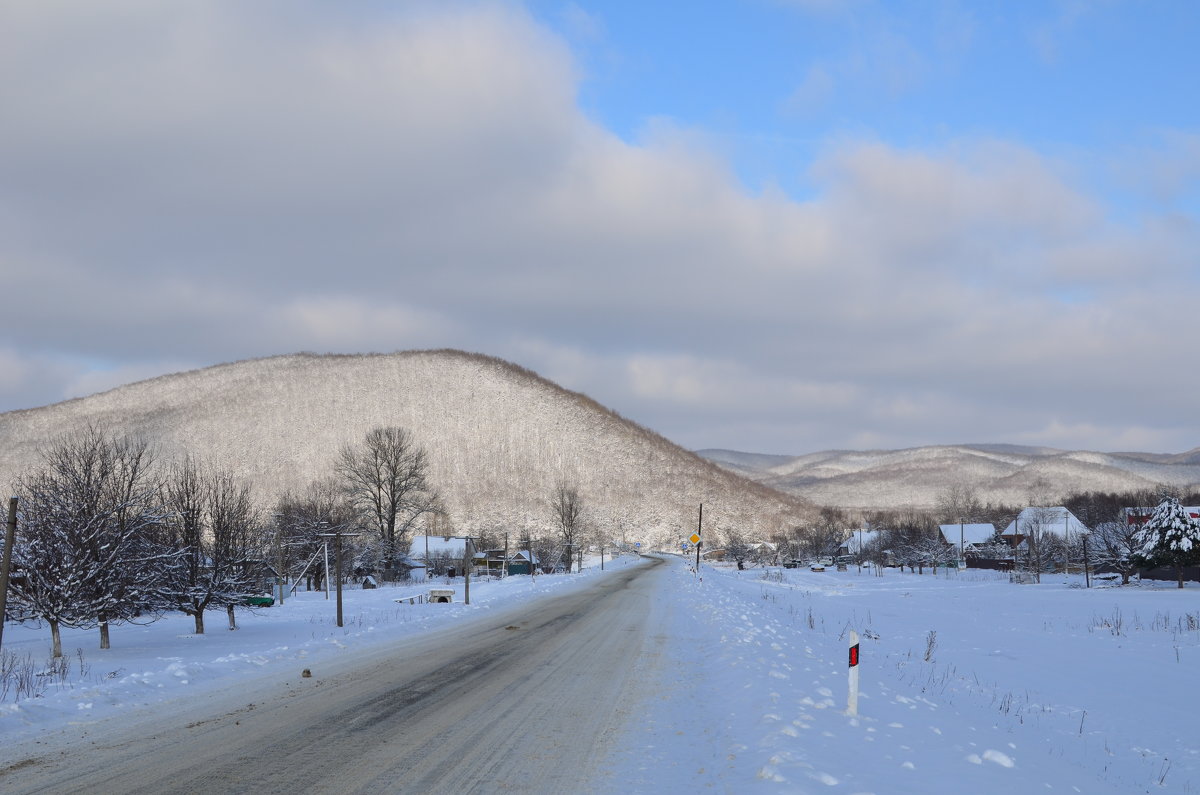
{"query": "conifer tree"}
(1170, 537)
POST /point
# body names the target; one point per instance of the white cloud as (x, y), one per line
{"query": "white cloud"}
(229, 186)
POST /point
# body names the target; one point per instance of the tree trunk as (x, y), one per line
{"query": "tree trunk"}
(232, 620)
(55, 638)
(103, 632)
(1179, 572)
(199, 616)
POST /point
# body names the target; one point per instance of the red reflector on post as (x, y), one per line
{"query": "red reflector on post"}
(854, 655)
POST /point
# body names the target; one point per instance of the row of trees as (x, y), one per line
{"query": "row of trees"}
(108, 534)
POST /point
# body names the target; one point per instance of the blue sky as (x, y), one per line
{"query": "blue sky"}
(768, 83)
(773, 225)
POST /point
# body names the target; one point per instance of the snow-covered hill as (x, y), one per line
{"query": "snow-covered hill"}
(498, 438)
(916, 476)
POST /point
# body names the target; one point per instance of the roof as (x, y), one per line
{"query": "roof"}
(968, 533)
(1056, 521)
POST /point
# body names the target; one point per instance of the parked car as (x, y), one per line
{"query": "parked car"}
(262, 600)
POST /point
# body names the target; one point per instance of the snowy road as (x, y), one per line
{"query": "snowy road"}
(526, 699)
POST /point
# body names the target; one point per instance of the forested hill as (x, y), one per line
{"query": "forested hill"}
(916, 477)
(498, 437)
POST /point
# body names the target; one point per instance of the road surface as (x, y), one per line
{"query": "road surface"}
(527, 699)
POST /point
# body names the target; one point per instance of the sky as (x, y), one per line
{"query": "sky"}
(777, 226)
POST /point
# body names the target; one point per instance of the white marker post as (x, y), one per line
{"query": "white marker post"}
(852, 701)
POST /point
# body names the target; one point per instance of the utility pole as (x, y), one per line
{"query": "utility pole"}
(10, 535)
(336, 535)
(1087, 576)
(321, 526)
(468, 564)
(279, 555)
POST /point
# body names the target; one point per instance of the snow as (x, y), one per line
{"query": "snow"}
(968, 683)
(968, 533)
(1056, 521)
(1047, 688)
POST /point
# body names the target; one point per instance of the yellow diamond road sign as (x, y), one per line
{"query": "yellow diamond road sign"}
(695, 539)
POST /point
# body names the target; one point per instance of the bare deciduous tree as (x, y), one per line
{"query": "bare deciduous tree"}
(1044, 548)
(736, 547)
(213, 523)
(958, 503)
(321, 508)
(85, 551)
(387, 479)
(1114, 545)
(567, 507)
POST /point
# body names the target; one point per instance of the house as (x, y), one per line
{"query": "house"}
(967, 537)
(518, 562)
(1057, 521)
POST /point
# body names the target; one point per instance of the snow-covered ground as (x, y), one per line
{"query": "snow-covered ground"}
(968, 683)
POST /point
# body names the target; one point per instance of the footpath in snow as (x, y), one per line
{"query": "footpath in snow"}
(969, 683)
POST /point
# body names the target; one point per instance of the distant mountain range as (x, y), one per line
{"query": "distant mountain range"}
(498, 438)
(998, 473)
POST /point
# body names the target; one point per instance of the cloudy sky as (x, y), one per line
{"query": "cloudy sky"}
(770, 225)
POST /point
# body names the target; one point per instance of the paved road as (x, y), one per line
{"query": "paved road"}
(526, 699)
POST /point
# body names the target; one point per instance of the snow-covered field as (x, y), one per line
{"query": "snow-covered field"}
(969, 683)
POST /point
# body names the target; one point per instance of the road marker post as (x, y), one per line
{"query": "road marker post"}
(852, 699)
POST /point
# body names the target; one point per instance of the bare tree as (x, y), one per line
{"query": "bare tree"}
(910, 538)
(321, 508)
(213, 524)
(1044, 548)
(85, 550)
(736, 547)
(387, 479)
(823, 537)
(567, 507)
(1114, 545)
(932, 551)
(958, 503)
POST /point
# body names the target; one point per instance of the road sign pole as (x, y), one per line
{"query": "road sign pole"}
(699, 537)
(852, 700)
